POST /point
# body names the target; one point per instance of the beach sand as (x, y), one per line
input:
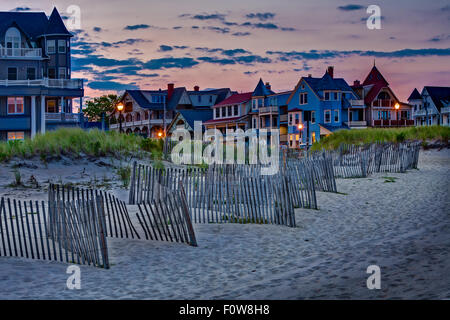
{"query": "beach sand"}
(402, 226)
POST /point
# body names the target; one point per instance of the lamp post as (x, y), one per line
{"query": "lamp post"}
(120, 109)
(397, 107)
(300, 128)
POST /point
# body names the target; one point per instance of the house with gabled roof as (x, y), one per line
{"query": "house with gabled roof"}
(36, 87)
(383, 108)
(432, 106)
(329, 102)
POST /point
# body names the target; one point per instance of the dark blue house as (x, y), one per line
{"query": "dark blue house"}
(36, 88)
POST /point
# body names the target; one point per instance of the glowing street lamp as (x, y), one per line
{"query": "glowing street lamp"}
(300, 126)
(120, 109)
(397, 107)
(160, 134)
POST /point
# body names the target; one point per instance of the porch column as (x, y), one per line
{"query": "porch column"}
(42, 114)
(33, 116)
(63, 105)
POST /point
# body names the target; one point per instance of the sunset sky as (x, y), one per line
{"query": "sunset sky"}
(148, 43)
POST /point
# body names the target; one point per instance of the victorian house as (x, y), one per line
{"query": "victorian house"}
(36, 88)
(431, 107)
(383, 108)
(319, 106)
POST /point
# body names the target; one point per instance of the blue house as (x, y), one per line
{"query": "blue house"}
(328, 101)
(36, 88)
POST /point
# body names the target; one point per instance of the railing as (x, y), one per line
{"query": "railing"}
(23, 53)
(283, 118)
(445, 110)
(393, 123)
(356, 103)
(126, 124)
(68, 117)
(357, 124)
(272, 109)
(383, 103)
(49, 83)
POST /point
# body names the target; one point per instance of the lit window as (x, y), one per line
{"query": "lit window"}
(16, 135)
(51, 106)
(51, 46)
(15, 105)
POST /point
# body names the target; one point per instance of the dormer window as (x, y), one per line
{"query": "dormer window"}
(12, 39)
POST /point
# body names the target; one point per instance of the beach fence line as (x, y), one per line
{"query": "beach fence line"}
(167, 218)
(360, 161)
(118, 222)
(76, 235)
(219, 194)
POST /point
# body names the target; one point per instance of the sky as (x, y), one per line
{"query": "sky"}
(147, 44)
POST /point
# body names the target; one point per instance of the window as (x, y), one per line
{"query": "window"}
(254, 104)
(313, 117)
(51, 46)
(236, 110)
(210, 99)
(336, 115)
(303, 98)
(313, 137)
(230, 110)
(61, 46)
(52, 73)
(62, 73)
(297, 118)
(13, 40)
(12, 73)
(224, 112)
(254, 123)
(327, 96)
(217, 112)
(327, 116)
(31, 73)
(290, 119)
(51, 106)
(336, 96)
(16, 135)
(199, 98)
(15, 105)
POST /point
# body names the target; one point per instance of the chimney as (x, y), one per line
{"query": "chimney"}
(356, 83)
(196, 88)
(331, 71)
(170, 87)
(268, 86)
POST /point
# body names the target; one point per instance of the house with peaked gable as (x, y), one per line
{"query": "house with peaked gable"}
(329, 101)
(432, 106)
(36, 88)
(380, 101)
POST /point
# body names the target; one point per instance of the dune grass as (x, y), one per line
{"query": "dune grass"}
(372, 135)
(75, 142)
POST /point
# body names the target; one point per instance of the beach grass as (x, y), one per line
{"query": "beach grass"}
(372, 135)
(75, 142)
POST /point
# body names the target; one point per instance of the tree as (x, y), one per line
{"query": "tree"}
(105, 104)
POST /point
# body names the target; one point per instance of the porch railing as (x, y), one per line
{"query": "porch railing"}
(22, 53)
(45, 82)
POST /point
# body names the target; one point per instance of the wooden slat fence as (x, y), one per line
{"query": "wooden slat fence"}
(76, 235)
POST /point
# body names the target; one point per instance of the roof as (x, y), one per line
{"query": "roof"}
(261, 90)
(56, 25)
(327, 83)
(141, 99)
(438, 94)
(378, 82)
(236, 99)
(224, 120)
(33, 24)
(191, 116)
(415, 95)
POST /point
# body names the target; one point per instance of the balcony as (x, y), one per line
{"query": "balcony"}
(356, 103)
(271, 109)
(356, 124)
(62, 117)
(48, 83)
(393, 123)
(20, 53)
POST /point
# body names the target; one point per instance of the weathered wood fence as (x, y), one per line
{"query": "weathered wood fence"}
(75, 235)
(353, 161)
(219, 194)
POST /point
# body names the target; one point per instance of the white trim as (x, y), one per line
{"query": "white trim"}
(33, 116)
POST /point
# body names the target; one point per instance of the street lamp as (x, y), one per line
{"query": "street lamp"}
(300, 126)
(120, 109)
(397, 107)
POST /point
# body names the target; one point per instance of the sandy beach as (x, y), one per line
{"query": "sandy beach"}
(400, 222)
